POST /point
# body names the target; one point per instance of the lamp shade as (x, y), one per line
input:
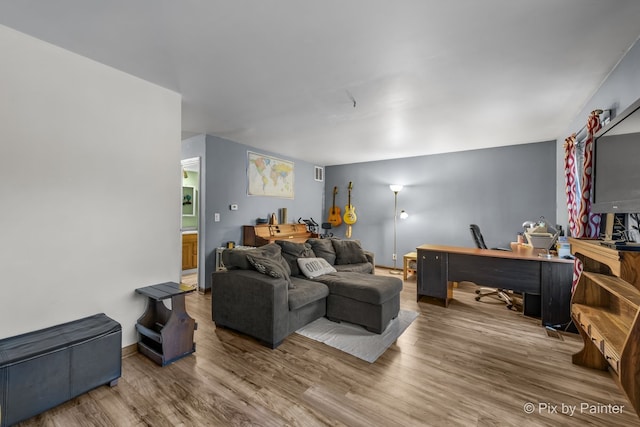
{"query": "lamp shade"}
(395, 187)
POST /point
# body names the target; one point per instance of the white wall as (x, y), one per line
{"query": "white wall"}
(89, 188)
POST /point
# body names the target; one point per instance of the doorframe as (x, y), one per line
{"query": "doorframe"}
(198, 200)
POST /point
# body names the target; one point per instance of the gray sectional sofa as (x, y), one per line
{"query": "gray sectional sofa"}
(271, 291)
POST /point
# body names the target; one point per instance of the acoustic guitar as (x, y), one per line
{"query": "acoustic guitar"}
(350, 217)
(335, 218)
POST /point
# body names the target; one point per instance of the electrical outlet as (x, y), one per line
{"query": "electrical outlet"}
(216, 217)
(394, 257)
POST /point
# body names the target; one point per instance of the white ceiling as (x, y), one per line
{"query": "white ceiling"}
(282, 75)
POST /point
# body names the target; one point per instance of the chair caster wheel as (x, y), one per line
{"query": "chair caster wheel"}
(510, 306)
(477, 291)
(477, 298)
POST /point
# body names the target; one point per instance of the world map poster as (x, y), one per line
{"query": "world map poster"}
(269, 176)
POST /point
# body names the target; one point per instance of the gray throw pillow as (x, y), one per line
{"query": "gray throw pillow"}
(236, 259)
(323, 248)
(270, 267)
(348, 252)
(291, 251)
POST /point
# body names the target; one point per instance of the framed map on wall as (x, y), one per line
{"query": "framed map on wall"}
(269, 176)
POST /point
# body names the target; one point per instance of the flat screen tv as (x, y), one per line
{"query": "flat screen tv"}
(616, 163)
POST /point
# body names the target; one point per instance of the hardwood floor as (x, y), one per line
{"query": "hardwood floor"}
(190, 279)
(472, 364)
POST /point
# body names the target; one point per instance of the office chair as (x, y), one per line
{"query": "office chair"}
(326, 226)
(502, 294)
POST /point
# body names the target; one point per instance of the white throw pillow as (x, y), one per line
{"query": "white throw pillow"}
(314, 267)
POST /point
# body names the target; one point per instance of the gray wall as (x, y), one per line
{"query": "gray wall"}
(225, 183)
(497, 188)
(620, 89)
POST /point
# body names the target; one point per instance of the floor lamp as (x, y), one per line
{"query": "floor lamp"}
(396, 188)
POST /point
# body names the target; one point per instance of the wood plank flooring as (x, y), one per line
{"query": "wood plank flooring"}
(472, 364)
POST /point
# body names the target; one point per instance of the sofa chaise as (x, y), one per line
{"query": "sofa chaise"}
(271, 291)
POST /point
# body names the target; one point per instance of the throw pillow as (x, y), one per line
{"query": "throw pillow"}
(236, 259)
(348, 252)
(314, 267)
(291, 251)
(323, 248)
(270, 267)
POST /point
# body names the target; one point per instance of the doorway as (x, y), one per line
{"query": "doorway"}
(190, 221)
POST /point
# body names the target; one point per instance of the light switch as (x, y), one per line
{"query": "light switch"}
(216, 217)
(233, 207)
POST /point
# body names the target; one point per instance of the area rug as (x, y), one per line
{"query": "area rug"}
(356, 340)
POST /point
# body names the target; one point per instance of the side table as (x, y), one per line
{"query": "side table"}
(166, 335)
(411, 256)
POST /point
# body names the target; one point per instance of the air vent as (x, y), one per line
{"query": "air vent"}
(319, 173)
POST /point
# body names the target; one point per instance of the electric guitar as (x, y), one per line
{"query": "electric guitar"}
(335, 219)
(350, 217)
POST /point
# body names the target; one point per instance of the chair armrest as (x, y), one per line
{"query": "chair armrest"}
(251, 303)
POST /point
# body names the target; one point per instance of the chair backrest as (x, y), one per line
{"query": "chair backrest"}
(477, 236)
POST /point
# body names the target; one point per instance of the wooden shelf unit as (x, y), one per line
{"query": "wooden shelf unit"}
(605, 308)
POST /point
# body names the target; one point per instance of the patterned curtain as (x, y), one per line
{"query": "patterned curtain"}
(571, 175)
(588, 222)
(582, 222)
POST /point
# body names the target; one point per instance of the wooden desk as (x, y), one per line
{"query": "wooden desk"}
(166, 335)
(545, 283)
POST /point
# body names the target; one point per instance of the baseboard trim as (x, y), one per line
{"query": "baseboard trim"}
(129, 350)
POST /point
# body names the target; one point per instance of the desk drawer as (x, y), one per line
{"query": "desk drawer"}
(514, 274)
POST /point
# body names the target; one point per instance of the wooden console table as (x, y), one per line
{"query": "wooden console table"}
(605, 309)
(166, 335)
(544, 282)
